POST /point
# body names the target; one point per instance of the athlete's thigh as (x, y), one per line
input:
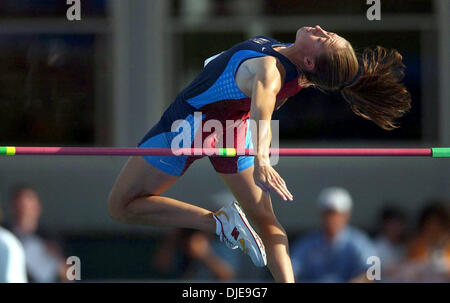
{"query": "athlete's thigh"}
(140, 178)
(256, 204)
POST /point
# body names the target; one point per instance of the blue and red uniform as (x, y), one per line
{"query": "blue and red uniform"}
(216, 95)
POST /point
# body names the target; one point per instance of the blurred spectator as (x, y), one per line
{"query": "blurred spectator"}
(44, 259)
(429, 250)
(193, 255)
(337, 252)
(209, 258)
(12, 258)
(390, 242)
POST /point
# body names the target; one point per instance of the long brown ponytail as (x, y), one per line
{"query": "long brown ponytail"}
(378, 94)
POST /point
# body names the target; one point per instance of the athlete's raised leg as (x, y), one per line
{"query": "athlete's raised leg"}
(136, 199)
(258, 208)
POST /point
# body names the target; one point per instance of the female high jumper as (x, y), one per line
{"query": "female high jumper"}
(250, 81)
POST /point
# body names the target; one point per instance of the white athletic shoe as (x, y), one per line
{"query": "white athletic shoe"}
(237, 232)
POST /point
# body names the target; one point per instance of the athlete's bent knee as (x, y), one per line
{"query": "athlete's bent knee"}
(117, 208)
(114, 212)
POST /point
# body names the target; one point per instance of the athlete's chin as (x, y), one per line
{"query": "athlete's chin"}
(300, 30)
(299, 33)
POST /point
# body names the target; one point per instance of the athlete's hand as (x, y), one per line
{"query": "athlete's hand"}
(268, 179)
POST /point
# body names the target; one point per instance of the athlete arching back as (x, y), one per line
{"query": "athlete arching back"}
(317, 58)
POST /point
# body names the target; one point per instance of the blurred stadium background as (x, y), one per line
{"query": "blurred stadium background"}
(105, 80)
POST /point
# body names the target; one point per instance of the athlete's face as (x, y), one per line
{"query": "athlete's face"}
(311, 41)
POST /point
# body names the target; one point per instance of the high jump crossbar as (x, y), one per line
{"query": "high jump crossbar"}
(434, 152)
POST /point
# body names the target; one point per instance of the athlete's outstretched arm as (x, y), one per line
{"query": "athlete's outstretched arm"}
(266, 83)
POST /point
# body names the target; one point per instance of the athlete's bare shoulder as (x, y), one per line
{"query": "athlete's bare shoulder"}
(262, 65)
(267, 68)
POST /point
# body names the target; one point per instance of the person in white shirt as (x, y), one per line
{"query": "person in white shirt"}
(12, 258)
(44, 262)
